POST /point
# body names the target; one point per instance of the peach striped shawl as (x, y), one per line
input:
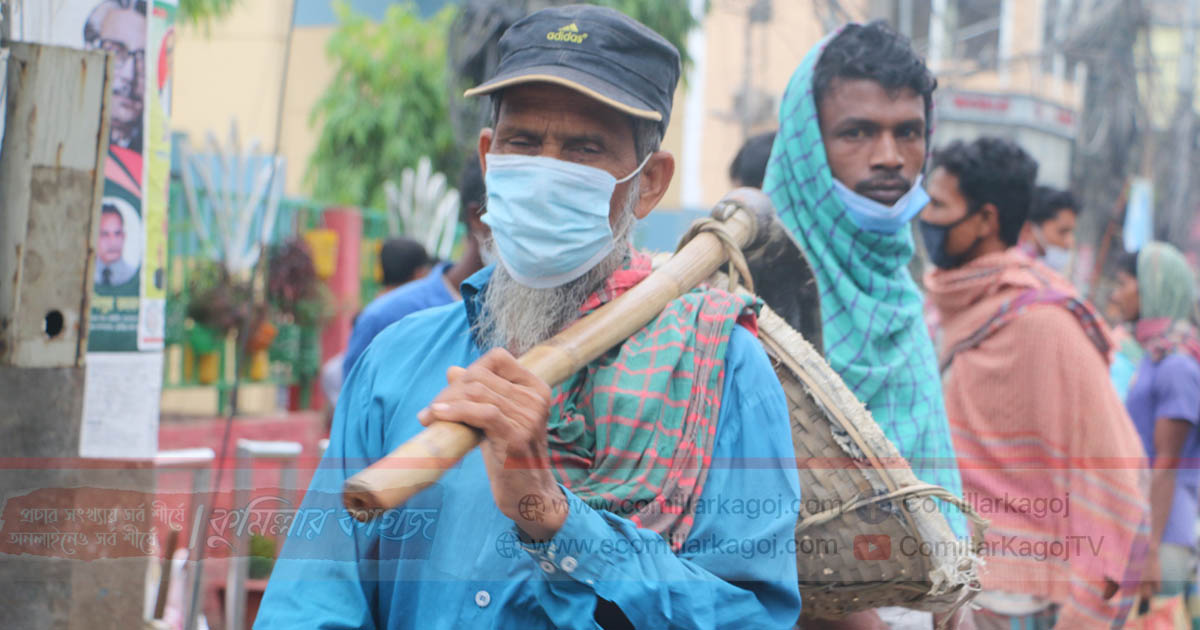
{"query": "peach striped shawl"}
(1046, 450)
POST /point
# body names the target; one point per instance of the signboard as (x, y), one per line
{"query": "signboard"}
(1044, 129)
(1007, 109)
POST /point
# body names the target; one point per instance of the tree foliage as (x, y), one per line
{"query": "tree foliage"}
(395, 97)
(204, 11)
(386, 107)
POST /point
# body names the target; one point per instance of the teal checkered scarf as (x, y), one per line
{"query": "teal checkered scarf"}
(875, 335)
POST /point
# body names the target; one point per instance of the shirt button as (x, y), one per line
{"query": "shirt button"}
(483, 598)
(547, 566)
(569, 563)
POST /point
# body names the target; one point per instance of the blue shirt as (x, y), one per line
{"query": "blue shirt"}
(1171, 389)
(393, 306)
(450, 559)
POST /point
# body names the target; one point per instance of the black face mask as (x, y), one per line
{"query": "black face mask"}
(934, 236)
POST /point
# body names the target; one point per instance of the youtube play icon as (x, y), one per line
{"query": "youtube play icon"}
(873, 547)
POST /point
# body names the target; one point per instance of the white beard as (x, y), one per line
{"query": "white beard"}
(517, 317)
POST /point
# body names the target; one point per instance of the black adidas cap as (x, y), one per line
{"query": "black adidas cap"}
(597, 51)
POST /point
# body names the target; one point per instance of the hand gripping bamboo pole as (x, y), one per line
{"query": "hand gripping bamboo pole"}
(744, 215)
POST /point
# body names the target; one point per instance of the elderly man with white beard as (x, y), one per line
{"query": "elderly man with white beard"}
(656, 488)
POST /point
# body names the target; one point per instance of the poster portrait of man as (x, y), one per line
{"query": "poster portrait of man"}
(119, 27)
(115, 247)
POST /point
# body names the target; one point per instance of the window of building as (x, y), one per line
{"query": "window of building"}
(977, 31)
(912, 17)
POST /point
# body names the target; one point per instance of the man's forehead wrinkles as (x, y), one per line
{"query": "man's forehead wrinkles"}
(559, 125)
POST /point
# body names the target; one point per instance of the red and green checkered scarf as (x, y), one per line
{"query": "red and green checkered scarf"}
(633, 432)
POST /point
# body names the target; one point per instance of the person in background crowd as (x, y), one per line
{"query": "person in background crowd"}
(845, 175)
(1128, 353)
(572, 161)
(1156, 289)
(440, 285)
(1049, 233)
(749, 166)
(403, 260)
(1026, 380)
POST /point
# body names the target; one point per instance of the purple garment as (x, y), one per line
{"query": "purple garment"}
(1171, 389)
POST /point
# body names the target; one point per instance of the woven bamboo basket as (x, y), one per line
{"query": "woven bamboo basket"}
(870, 533)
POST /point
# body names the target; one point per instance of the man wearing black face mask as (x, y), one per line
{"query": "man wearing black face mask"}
(1024, 364)
(979, 198)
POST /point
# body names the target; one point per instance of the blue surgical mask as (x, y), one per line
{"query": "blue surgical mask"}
(1056, 258)
(873, 216)
(549, 218)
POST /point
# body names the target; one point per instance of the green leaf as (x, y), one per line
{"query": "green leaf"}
(387, 106)
(203, 12)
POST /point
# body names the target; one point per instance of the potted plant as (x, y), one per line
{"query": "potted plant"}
(303, 303)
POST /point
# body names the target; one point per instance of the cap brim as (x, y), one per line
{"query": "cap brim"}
(581, 82)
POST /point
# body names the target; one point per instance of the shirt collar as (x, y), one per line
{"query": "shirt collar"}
(472, 290)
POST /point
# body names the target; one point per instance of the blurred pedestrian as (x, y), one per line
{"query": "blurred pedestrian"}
(845, 175)
(749, 166)
(1049, 233)
(1156, 289)
(1026, 377)
(439, 285)
(403, 260)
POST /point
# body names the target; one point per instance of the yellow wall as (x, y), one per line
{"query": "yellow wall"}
(233, 71)
(308, 74)
(777, 48)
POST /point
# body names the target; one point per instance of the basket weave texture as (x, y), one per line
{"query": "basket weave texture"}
(870, 533)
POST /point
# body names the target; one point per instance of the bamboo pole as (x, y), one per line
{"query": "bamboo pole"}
(415, 465)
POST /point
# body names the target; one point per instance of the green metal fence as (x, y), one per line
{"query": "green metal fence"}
(295, 355)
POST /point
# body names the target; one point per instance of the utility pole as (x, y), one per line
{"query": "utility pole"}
(51, 178)
(1178, 214)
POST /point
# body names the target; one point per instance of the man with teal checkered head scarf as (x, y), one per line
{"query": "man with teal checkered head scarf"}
(845, 175)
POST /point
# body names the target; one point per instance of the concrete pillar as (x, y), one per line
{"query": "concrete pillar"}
(50, 184)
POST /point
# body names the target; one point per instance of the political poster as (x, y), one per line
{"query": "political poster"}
(125, 334)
